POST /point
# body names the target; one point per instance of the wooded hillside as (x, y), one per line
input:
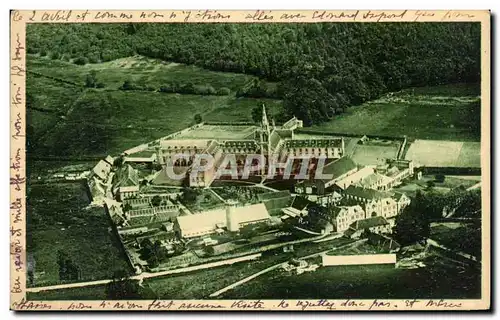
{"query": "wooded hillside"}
(322, 68)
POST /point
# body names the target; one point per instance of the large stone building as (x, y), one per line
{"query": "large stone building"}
(277, 145)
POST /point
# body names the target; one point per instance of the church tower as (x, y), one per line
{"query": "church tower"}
(265, 135)
(265, 122)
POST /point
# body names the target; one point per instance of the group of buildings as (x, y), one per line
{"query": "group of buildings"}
(355, 198)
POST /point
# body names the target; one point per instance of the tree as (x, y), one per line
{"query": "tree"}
(257, 114)
(91, 80)
(156, 201)
(197, 118)
(81, 61)
(430, 184)
(413, 224)
(118, 162)
(122, 287)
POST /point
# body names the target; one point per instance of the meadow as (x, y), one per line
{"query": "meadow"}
(97, 122)
(141, 70)
(437, 280)
(449, 112)
(60, 224)
(438, 153)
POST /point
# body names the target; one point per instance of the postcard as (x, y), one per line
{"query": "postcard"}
(262, 160)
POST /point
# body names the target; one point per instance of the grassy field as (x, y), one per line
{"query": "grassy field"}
(59, 222)
(374, 154)
(450, 112)
(97, 122)
(141, 70)
(438, 280)
(438, 153)
(465, 237)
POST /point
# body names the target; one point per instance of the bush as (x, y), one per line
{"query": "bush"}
(197, 118)
(223, 91)
(81, 61)
(66, 57)
(440, 178)
(54, 55)
(93, 58)
(43, 53)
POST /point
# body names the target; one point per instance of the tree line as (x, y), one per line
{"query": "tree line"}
(322, 68)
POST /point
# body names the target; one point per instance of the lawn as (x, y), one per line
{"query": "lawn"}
(449, 112)
(240, 109)
(437, 280)
(98, 122)
(374, 154)
(439, 153)
(465, 237)
(59, 223)
(141, 70)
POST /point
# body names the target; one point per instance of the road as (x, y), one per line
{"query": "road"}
(276, 266)
(460, 253)
(147, 275)
(476, 186)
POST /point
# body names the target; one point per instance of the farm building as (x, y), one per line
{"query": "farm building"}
(102, 170)
(374, 224)
(232, 218)
(373, 202)
(364, 259)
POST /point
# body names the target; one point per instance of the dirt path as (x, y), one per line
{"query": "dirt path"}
(276, 266)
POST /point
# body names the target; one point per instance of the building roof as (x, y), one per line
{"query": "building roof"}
(361, 174)
(336, 210)
(109, 159)
(369, 223)
(339, 167)
(301, 203)
(365, 193)
(210, 219)
(274, 139)
(102, 169)
(241, 144)
(185, 144)
(291, 211)
(314, 143)
(126, 176)
(398, 195)
(129, 189)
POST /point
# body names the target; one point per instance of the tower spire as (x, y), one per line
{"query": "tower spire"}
(265, 123)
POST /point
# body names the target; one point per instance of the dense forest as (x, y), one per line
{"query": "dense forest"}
(321, 68)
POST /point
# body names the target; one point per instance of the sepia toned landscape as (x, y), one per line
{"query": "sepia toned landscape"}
(387, 116)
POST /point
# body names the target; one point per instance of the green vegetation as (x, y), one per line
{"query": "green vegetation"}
(465, 237)
(450, 112)
(441, 279)
(112, 120)
(323, 67)
(413, 224)
(66, 240)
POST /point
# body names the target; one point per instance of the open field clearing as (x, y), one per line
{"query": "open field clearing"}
(465, 237)
(449, 112)
(140, 70)
(374, 154)
(64, 235)
(97, 122)
(437, 280)
(218, 132)
(438, 153)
